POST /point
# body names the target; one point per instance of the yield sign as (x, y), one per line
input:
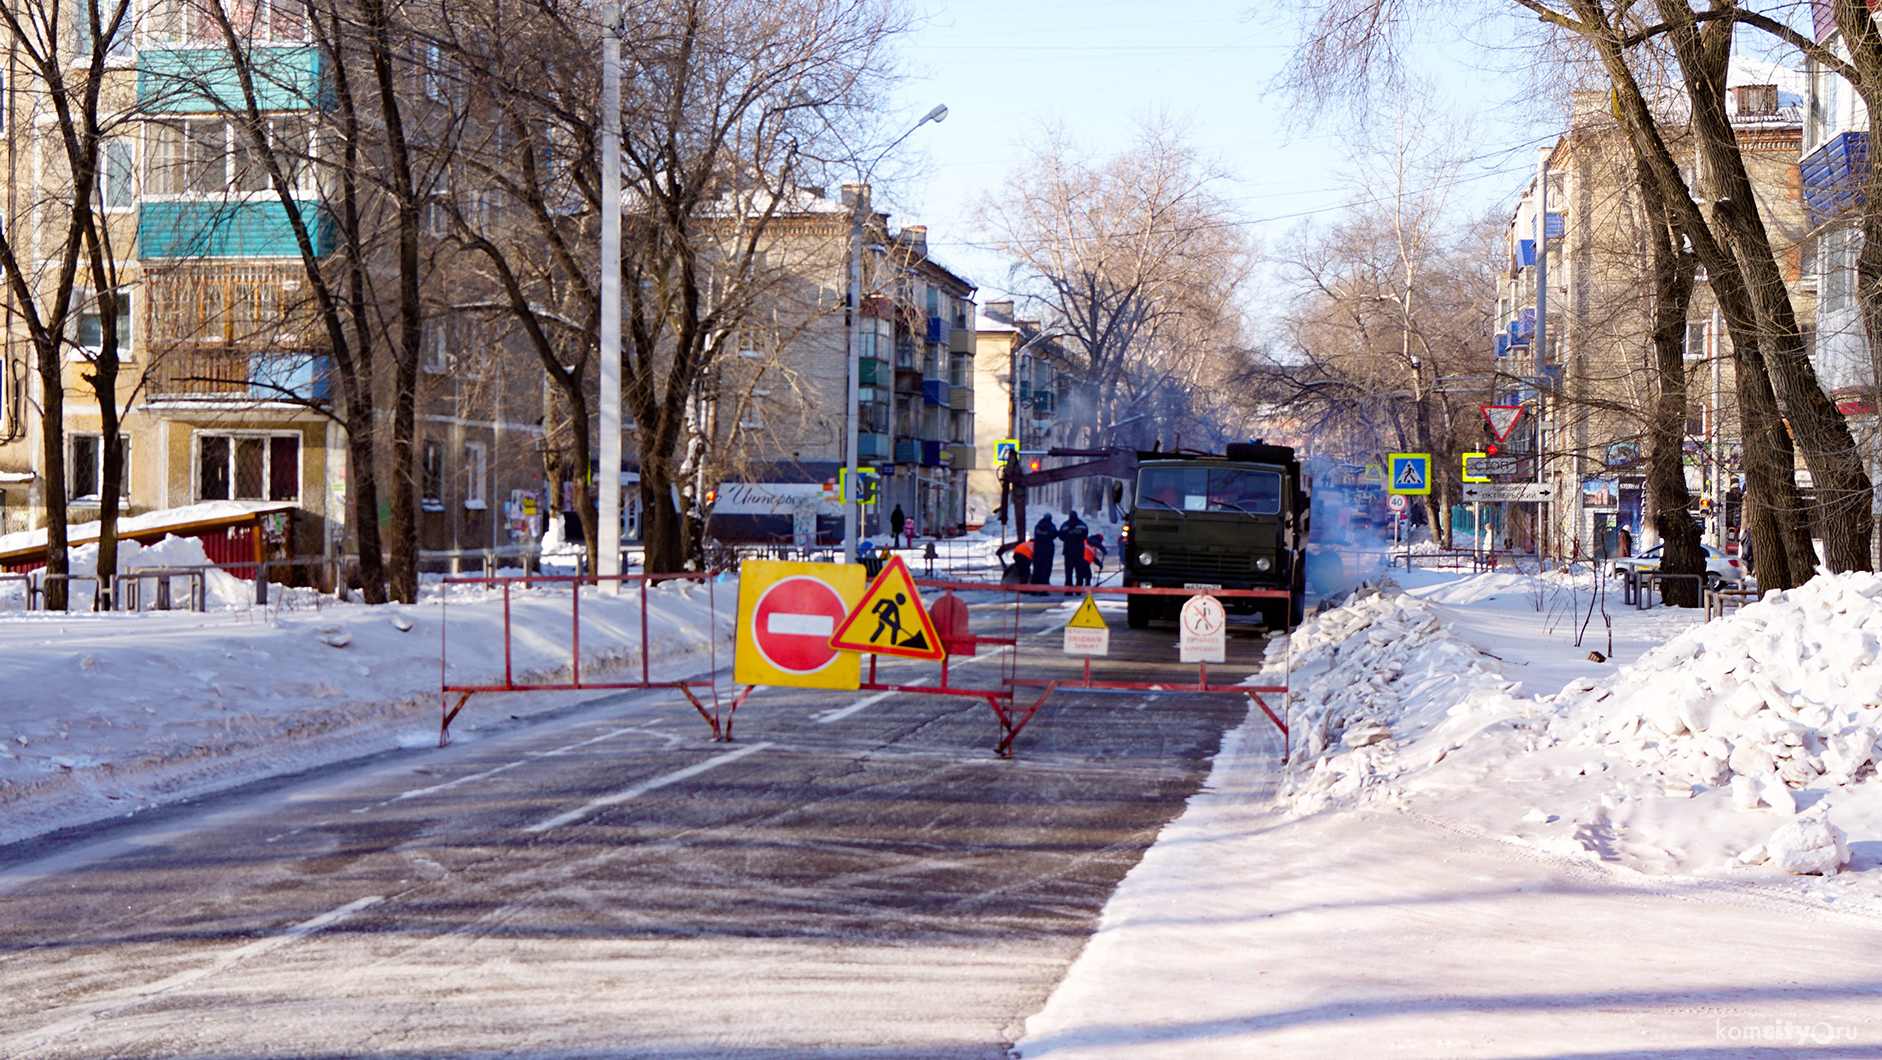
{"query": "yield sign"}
(890, 620)
(1502, 419)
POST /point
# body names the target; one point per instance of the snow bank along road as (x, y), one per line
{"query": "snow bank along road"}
(604, 882)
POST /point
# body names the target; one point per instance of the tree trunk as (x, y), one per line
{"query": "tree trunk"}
(1673, 271)
(52, 455)
(1843, 489)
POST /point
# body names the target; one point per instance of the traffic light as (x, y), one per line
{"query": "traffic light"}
(1489, 449)
(1033, 464)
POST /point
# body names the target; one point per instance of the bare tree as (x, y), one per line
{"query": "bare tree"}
(1135, 256)
(1729, 240)
(66, 51)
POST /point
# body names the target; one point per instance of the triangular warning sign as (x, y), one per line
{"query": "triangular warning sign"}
(1087, 616)
(889, 620)
(1502, 419)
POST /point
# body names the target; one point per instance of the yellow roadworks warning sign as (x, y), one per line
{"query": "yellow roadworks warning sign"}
(890, 620)
(1087, 616)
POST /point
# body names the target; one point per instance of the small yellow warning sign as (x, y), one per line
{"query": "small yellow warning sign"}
(1087, 616)
(889, 620)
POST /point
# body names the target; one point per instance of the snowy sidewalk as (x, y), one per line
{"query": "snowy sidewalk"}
(1357, 934)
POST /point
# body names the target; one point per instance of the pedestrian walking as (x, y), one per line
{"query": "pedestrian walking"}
(897, 523)
(1044, 533)
(1072, 534)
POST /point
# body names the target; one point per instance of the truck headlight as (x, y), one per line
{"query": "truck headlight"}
(1145, 558)
(1264, 563)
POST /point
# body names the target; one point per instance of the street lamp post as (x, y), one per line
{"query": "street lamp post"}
(852, 509)
(608, 528)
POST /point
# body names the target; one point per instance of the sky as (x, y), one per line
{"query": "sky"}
(1004, 68)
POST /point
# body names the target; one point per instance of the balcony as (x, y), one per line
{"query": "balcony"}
(961, 340)
(872, 446)
(964, 456)
(204, 81)
(937, 331)
(908, 451)
(872, 373)
(930, 454)
(961, 398)
(1833, 176)
(934, 392)
(240, 375)
(227, 229)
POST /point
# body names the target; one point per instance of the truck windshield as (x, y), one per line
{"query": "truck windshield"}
(1193, 488)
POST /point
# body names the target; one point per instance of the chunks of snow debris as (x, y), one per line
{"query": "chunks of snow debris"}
(335, 638)
(1809, 844)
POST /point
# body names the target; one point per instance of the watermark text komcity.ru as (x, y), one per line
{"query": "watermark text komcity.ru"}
(1819, 1033)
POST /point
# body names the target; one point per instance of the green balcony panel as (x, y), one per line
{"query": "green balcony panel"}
(257, 229)
(204, 81)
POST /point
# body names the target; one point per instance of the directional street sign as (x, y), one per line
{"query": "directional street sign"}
(1411, 473)
(889, 619)
(786, 614)
(1508, 491)
(1086, 633)
(1204, 629)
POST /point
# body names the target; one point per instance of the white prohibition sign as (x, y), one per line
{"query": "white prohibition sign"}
(1204, 631)
(1396, 502)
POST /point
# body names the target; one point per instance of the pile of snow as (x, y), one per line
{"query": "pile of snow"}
(110, 713)
(220, 588)
(1683, 761)
(1365, 678)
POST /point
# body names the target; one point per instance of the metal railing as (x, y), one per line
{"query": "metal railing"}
(127, 590)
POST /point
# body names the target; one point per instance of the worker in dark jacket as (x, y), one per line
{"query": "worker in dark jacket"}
(1043, 534)
(1072, 535)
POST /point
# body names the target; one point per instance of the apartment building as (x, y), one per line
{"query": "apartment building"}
(228, 390)
(781, 404)
(1589, 392)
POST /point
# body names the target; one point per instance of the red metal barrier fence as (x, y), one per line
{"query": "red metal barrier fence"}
(1009, 694)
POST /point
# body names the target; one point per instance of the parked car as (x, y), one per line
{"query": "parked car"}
(1720, 568)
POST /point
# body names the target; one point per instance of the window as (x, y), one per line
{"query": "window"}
(1204, 489)
(435, 352)
(90, 326)
(476, 474)
(186, 22)
(85, 468)
(248, 467)
(119, 44)
(434, 76)
(752, 416)
(210, 156)
(431, 477)
(116, 190)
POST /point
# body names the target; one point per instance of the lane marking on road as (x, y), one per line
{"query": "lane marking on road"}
(505, 767)
(84, 1016)
(644, 787)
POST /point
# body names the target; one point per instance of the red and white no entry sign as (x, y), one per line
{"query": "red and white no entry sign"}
(787, 613)
(792, 624)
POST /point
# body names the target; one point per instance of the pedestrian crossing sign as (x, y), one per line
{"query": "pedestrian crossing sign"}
(889, 620)
(1411, 473)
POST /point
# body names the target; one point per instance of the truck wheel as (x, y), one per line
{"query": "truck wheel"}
(1137, 611)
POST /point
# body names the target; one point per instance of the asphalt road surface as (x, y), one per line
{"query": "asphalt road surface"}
(858, 875)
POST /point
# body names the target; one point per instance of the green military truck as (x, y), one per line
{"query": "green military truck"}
(1237, 521)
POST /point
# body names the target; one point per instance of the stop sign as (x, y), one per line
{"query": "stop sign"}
(793, 621)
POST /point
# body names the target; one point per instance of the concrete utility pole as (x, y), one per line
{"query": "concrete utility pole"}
(1541, 340)
(608, 530)
(852, 511)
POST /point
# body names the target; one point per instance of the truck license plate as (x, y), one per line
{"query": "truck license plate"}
(1202, 585)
